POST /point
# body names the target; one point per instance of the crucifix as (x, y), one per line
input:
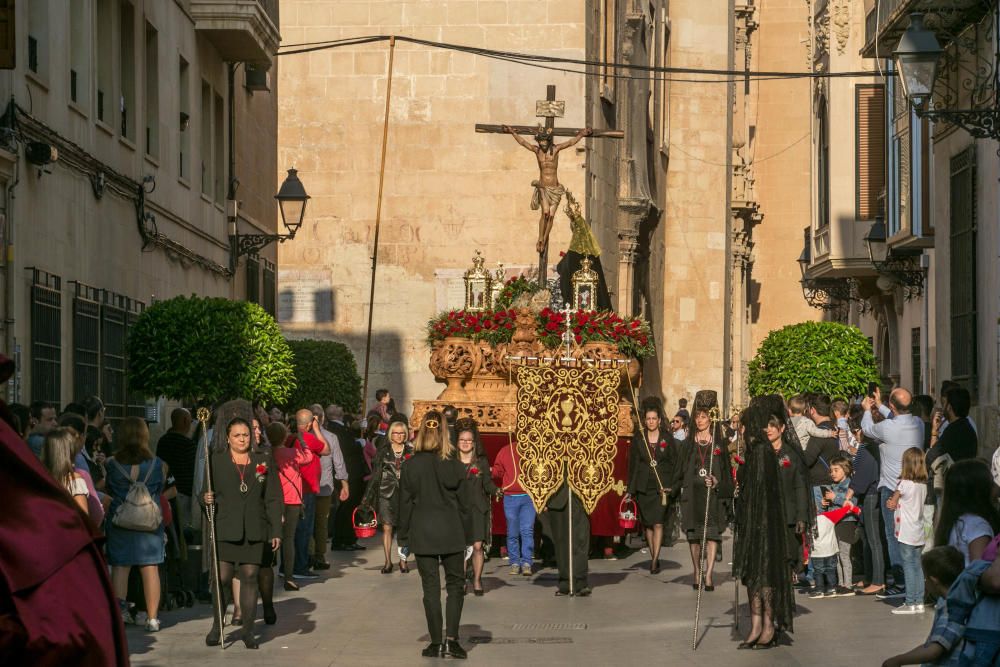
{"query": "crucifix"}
(567, 337)
(548, 191)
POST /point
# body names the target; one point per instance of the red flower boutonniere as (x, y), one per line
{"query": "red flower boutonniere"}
(785, 462)
(717, 451)
(663, 445)
(738, 460)
(407, 457)
(474, 471)
(261, 471)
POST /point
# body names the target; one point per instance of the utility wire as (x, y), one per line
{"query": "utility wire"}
(547, 62)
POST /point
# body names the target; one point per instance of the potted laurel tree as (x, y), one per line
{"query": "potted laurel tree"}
(209, 350)
(824, 357)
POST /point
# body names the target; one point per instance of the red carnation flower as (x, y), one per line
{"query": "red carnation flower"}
(473, 471)
(663, 445)
(717, 451)
(635, 324)
(738, 460)
(407, 456)
(579, 338)
(785, 462)
(261, 468)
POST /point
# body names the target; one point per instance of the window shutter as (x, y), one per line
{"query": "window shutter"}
(8, 44)
(870, 146)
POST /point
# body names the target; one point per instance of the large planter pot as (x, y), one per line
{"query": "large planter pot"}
(453, 360)
(488, 383)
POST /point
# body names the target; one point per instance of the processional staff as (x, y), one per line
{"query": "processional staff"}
(713, 415)
(217, 604)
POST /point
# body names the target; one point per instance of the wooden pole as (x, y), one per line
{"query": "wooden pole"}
(378, 220)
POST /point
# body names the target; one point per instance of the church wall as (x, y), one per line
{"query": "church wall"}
(448, 190)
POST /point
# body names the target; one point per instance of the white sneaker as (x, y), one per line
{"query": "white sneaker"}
(152, 625)
(909, 609)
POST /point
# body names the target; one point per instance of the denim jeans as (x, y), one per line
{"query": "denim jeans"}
(913, 573)
(889, 524)
(304, 532)
(825, 572)
(520, 514)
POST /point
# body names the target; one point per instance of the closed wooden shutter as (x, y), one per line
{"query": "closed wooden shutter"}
(870, 146)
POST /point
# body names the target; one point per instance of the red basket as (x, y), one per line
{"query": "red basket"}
(627, 514)
(365, 529)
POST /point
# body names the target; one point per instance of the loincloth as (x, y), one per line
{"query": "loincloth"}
(552, 194)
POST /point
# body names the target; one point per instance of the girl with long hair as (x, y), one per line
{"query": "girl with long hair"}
(431, 526)
(968, 519)
(908, 503)
(59, 451)
(651, 460)
(133, 548)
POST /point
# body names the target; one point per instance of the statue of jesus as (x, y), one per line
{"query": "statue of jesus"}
(548, 191)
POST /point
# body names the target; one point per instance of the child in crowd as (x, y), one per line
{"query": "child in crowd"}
(908, 503)
(968, 520)
(840, 408)
(941, 568)
(824, 553)
(840, 494)
(805, 428)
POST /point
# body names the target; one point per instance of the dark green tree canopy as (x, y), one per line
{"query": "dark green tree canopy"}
(824, 357)
(326, 373)
(209, 349)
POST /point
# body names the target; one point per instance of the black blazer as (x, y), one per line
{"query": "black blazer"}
(639, 470)
(354, 455)
(255, 516)
(430, 512)
(793, 487)
(478, 490)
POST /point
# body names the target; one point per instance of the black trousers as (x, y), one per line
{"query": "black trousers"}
(430, 579)
(559, 527)
(343, 525)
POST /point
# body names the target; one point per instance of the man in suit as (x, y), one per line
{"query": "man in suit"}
(354, 460)
(559, 521)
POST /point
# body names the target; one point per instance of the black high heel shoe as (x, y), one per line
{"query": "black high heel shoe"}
(270, 617)
(766, 645)
(478, 592)
(746, 645)
(387, 569)
(403, 567)
(654, 567)
(249, 641)
(236, 620)
(213, 637)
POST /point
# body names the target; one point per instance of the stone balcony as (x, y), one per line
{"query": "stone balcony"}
(839, 251)
(888, 19)
(241, 30)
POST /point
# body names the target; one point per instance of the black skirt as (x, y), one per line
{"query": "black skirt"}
(478, 526)
(651, 509)
(242, 552)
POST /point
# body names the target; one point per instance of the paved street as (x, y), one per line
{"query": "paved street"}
(358, 616)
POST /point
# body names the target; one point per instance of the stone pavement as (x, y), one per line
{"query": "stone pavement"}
(355, 615)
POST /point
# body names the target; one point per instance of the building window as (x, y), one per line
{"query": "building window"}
(916, 361)
(152, 89)
(46, 337)
(962, 242)
(253, 280)
(823, 167)
(206, 139)
(870, 148)
(113, 353)
(135, 404)
(105, 25)
(218, 132)
(86, 341)
(269, 289)
(79, 68)
(126, 70)
(184, 143)
(8, 41)
(38, 36)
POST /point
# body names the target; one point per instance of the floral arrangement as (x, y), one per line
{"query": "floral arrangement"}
(632, 336)
(512, 289)
(261, 471)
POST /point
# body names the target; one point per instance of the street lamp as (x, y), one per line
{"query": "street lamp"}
(292, 200)
(876, 240)
(917, 58)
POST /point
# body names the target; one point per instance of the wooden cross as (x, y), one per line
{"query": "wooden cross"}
(550, 108)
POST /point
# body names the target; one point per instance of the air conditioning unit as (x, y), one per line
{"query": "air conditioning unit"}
(258, 78)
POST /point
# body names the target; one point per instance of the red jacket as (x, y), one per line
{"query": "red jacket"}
(311, 470)
(291, 459)
(505, 469)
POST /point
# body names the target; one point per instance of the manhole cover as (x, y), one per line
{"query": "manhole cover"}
(482, 639)
(549, 626)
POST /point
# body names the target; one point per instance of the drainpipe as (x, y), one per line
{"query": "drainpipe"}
(727, 302)
(232, 207)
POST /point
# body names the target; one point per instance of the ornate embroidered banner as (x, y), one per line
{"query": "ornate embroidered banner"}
(567, 415)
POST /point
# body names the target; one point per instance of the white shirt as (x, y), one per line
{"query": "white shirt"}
(966, 530)
(895, 435)
(909, 513)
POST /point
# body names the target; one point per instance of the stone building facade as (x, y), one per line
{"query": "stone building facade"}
(699, 232)
(120, 147)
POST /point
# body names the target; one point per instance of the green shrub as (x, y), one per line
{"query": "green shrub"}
(326, 373)
(824, 357)
(209, 349)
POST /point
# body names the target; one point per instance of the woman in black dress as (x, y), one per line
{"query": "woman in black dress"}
(760, 554)
(382, 493)
(431, 525)
(703, 475)
(650, 469)
(478, 492)
(248, 502)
